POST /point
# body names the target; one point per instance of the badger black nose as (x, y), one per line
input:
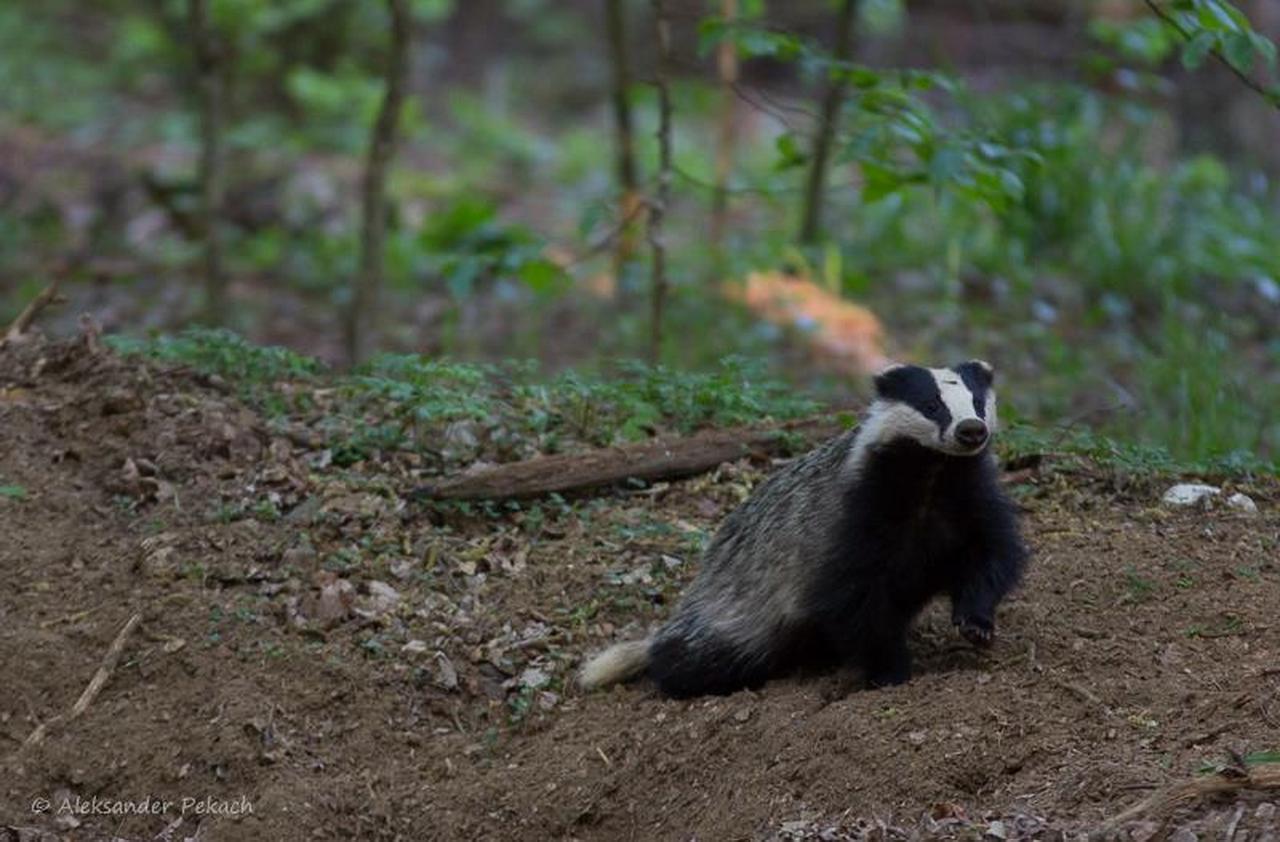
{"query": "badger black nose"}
(971, 432)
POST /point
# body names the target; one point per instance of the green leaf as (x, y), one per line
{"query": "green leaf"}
(543, 277)
(1012, 185)
(1193, 54)
(1266, 48)
(881, 17)
(879, 182)
(789, 152)
(13, 492)
(1239, 50)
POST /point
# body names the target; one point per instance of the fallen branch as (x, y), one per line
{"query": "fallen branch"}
(1258, 776)
(100, 678)
(665, 458)
(48, 295)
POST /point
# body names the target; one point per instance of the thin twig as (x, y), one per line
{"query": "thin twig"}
(762, 191)
(1245, 78)
(48, 295)
(99, 680)
(1259, 776)
(619, 228)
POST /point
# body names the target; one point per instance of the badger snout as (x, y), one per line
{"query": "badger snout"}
(971, 433)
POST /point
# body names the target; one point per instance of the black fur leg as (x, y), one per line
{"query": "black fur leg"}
(987, 582)
(889, 662)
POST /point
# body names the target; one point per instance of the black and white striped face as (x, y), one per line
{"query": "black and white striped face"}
(952, 410)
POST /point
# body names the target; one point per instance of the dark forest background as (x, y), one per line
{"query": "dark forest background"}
(1083, 193)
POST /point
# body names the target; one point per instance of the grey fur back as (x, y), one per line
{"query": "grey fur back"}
(753, 575)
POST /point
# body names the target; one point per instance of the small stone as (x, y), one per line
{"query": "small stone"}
(534, 678)
(414, 647)
(996, 830)
(301, 557)
(444, 674)
(382, 598)
(1265, 811)
(334, 603)
(1242, 502)
(742, 715)
(917, 738)
(1189, 494)
(1184, 834)
(1143, 831)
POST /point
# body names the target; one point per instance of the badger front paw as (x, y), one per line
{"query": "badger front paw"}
(976, 630)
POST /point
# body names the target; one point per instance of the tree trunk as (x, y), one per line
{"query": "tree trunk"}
(660, 203)
(362, 313)
(727, 65)
(624, 146)
(828, 122)
(209, 71)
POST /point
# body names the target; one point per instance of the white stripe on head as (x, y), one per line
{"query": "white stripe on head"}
(955, 395)
(891, 420)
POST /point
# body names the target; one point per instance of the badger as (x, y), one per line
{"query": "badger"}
(829, 561)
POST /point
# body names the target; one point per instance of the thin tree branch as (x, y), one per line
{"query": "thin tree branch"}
(727, 67)
(661, 203)
(1248, 81)
(832, 102)
(624, 149)
(362, 313)
(209, 70)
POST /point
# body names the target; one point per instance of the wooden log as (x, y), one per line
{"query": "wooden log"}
(670, 457)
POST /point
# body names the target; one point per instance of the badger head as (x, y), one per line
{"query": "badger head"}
(950, 410)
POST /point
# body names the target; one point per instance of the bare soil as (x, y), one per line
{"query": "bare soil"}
(320, 659)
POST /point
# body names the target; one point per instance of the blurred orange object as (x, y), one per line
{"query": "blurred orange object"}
(847, 335)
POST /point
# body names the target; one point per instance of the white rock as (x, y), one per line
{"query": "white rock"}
(1243, 502)
(414, 647)
(534, 678)
(382, 597)
(1189, 493)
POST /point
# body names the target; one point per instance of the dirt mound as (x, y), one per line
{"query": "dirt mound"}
(319, 659)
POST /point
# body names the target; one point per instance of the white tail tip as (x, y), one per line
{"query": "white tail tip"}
(617, 663)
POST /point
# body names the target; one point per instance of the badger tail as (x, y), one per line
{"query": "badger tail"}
(619, 662)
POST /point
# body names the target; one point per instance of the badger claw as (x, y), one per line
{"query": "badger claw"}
(980, 633)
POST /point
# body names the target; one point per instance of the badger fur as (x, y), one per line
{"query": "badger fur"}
(831, 559)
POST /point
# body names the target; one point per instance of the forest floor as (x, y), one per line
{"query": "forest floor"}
(320, 658)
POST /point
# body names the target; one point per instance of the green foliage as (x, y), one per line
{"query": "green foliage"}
(1127, 458)
(466, 244)
(13, 492)
(1218, 26)
(223, 353)
(892, 131)
(400, 400)
(644, 398)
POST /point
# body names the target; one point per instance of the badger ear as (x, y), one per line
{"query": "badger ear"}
(888, 379)
(980, 370)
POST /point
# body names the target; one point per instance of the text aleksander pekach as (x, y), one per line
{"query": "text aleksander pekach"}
(74, 805)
